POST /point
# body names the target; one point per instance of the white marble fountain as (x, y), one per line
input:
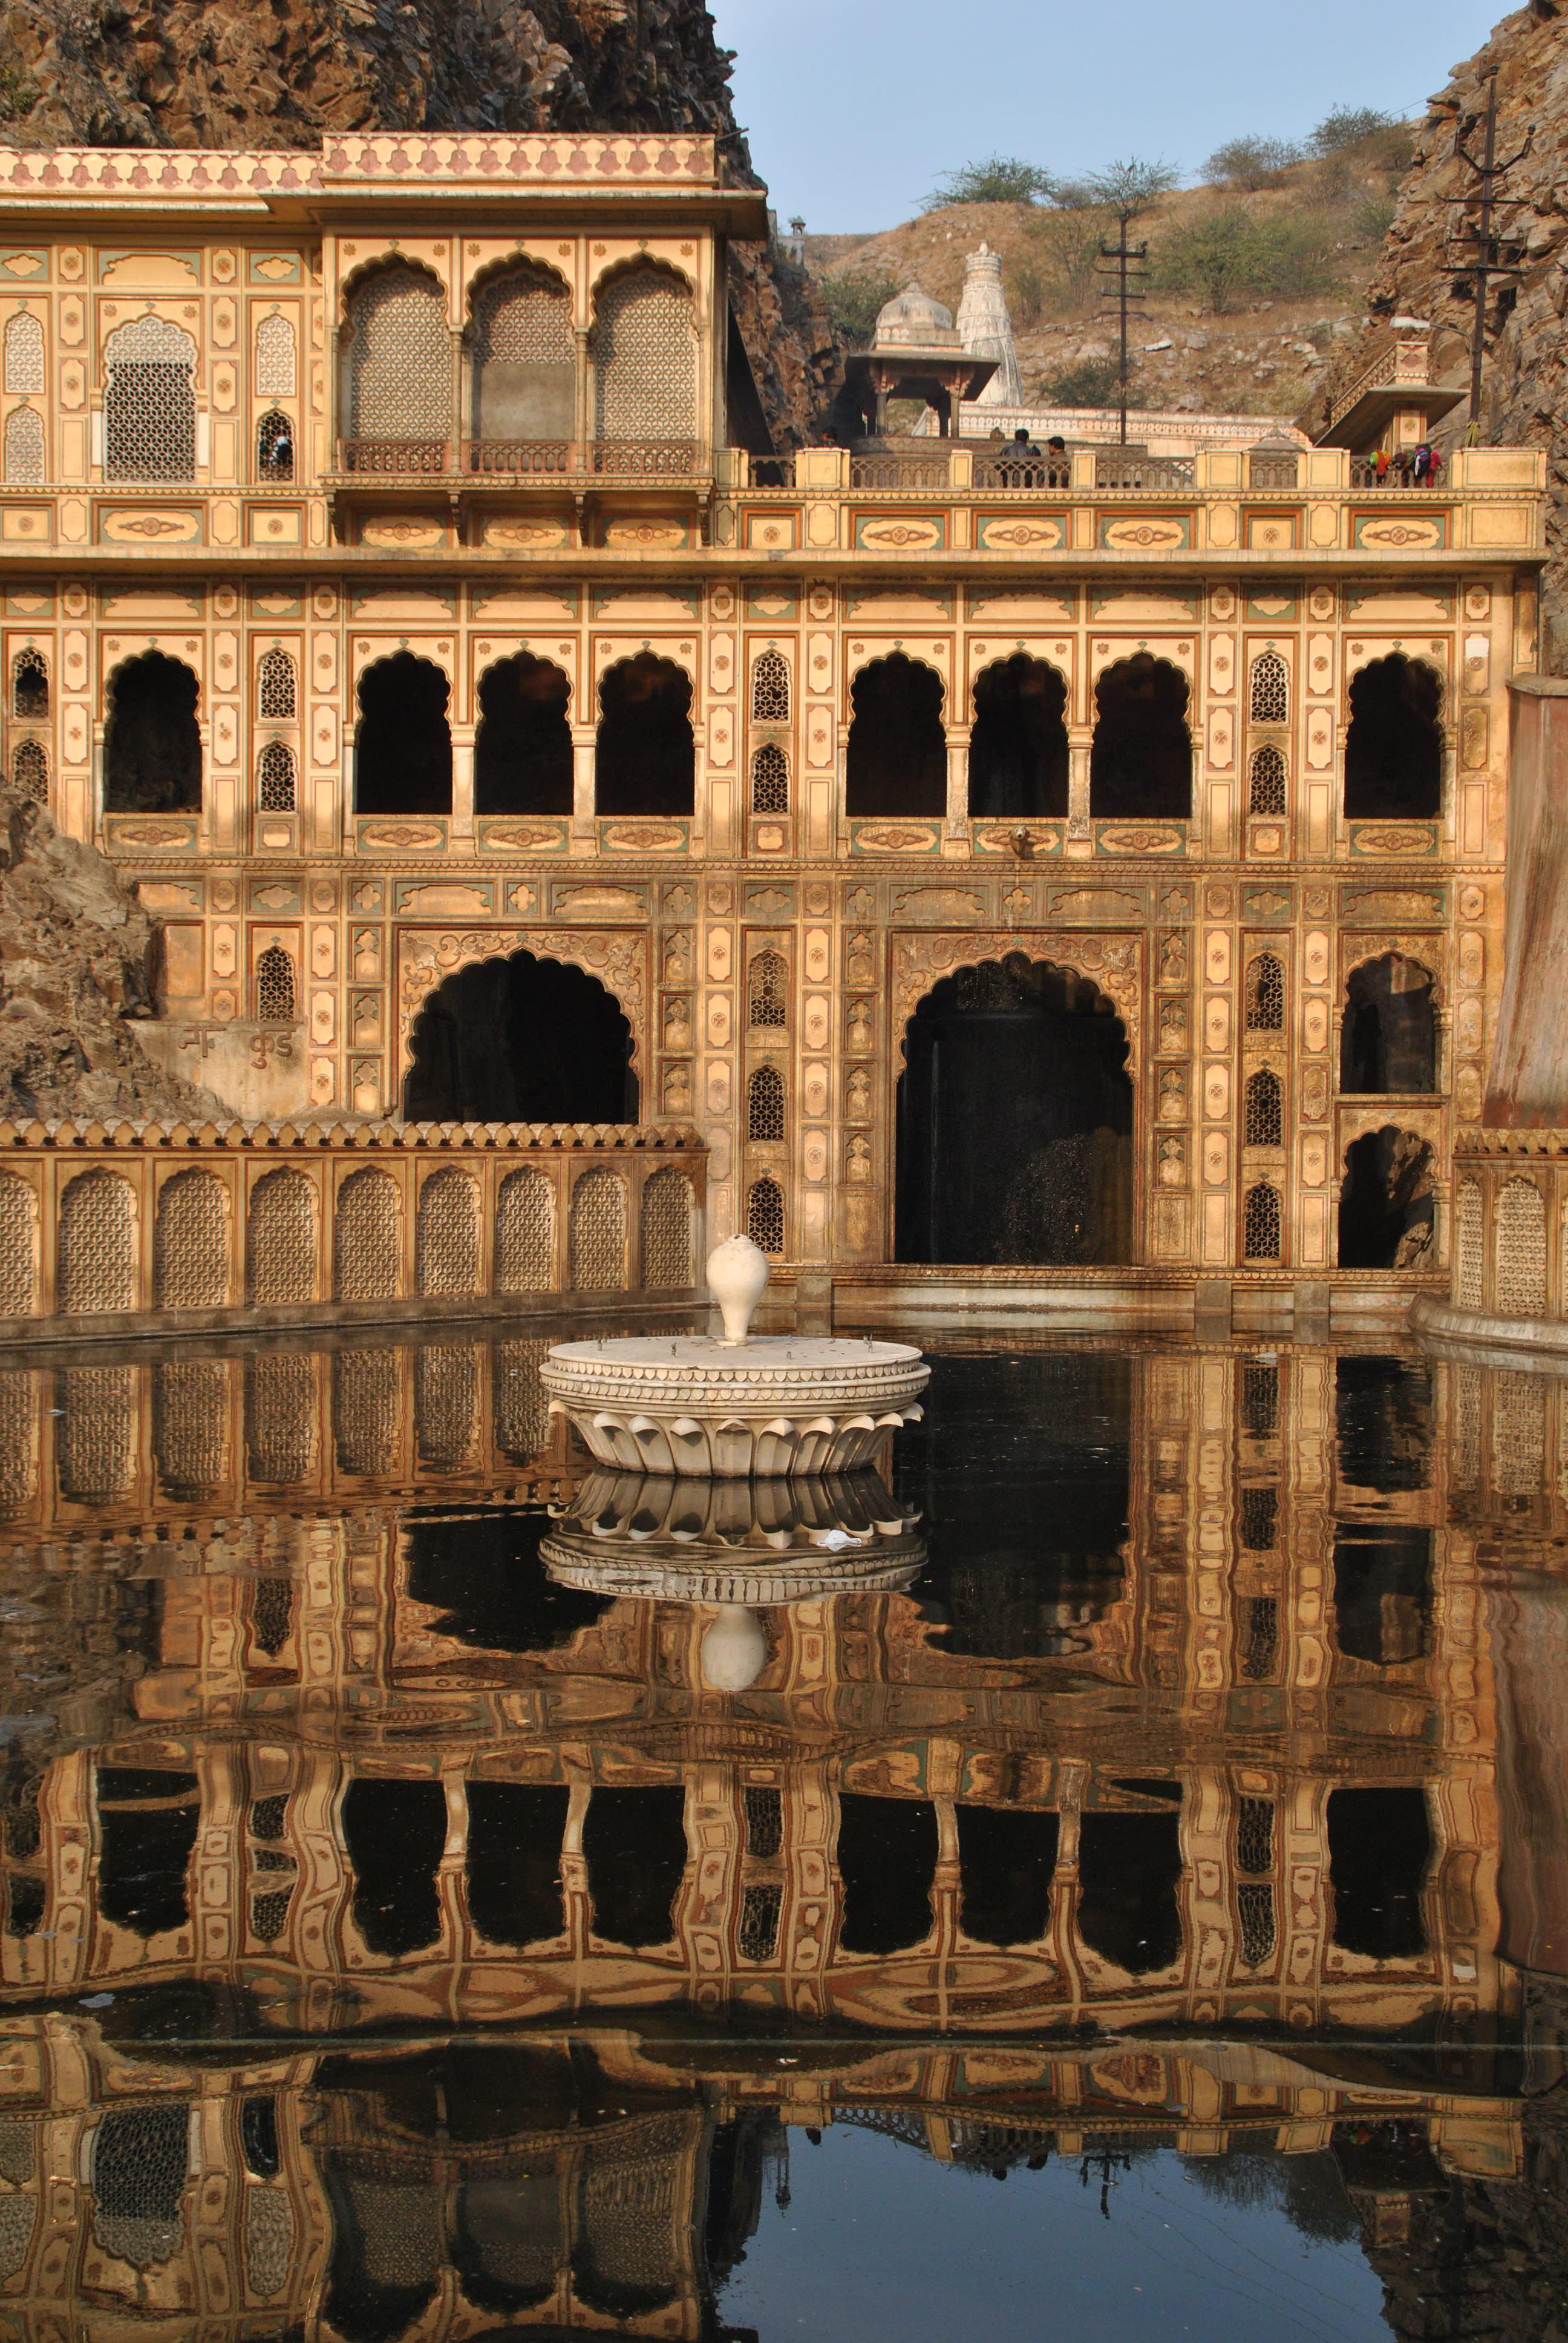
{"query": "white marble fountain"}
(740, 1550)
(736, 1406)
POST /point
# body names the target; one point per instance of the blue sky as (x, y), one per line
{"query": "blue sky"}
(855, 109)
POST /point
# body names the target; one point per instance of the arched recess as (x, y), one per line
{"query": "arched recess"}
(403, 746)
(1386, 1206)
(1015, 1120)
(523, 748)
(645, 760)
(395, 353)
(152, 744)
(522, 358)
(1393, 748)
(897, 759)
(1017, 763)
(520, 1041)
(1141, 764)
(1388, 1038)
(645, 357)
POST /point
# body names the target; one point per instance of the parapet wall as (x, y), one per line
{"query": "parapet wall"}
(110, 1229)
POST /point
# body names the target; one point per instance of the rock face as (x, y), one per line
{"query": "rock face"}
(223, 73)
(78, 957)
(1527, 379)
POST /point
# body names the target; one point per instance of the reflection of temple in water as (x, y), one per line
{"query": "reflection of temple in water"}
(1208, 1744)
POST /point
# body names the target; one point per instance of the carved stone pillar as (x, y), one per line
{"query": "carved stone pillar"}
(1080, 740)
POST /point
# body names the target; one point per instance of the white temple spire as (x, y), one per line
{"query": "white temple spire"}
(986, 329)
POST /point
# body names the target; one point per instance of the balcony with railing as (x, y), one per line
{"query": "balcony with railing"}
(452, 462)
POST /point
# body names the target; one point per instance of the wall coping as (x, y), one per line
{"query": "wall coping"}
(444, 1136)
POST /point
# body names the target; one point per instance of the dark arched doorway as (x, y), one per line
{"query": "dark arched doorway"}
(645, 760)
(1015, 1120)
(520, 1041)
(403, 750)
(523, 748)
(1386, 1202)
(1387, 1039)
(1141, 764)
(1018, 747)
(896, 759)
(1393, 748)
(151, 746)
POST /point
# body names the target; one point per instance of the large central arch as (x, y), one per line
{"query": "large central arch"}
(1015, 1120)
(520, 1040)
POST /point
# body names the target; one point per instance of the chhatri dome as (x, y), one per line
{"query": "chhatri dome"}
(911, 320)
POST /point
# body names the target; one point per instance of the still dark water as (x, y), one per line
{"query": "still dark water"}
(1106, 1878)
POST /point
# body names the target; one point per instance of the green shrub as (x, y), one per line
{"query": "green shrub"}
(853, 301)
(1067, 243)
(1228, 253)
(995, 179)
(1251, 163)
(1093, 382)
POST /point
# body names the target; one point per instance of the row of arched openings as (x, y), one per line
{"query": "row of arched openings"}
(521, 361)
(1127, 1906)
(96, 1264)
(1140, 760)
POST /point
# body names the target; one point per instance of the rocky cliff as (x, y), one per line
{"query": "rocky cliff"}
(1526, 380)
(228, 72)
(78, 958)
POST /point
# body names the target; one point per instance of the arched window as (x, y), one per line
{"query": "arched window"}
(644, 360)
(275, 987)
(765, 1104)
(1018, 747)
(897, 759)
(523, 749)
(1266, 783)
(1261, 1223)
(275, 787)
(397, 357)
(403, 750)
(1519, 1271)
(1264, 1122)
(151, 746)
(770, 688)
(1389, 1033)
(769, 779)
(524, 356)
(30, 687)
(275, 688)
(276, 365)
(27, 460)
(149, 402)
(645, 761)
(1394, 749)
(1141, 765)
(30, 772)
(275, 446)
(24, 352)
(767, 990)
(1269, 700)
(1265, 1010)
(280, 1245)
(668, 1205)
(96, 1244)
(764, 1215)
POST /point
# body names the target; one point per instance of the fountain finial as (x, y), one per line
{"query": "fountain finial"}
(738, 1274)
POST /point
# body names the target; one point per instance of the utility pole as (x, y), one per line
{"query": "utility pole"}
(1480, 253)
(1119, 258)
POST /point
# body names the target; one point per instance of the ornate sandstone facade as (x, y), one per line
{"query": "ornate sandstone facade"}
(1097, 878)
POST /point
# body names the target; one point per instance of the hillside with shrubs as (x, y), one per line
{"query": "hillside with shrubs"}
(1253, 279)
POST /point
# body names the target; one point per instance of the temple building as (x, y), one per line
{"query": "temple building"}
(1082, 882)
